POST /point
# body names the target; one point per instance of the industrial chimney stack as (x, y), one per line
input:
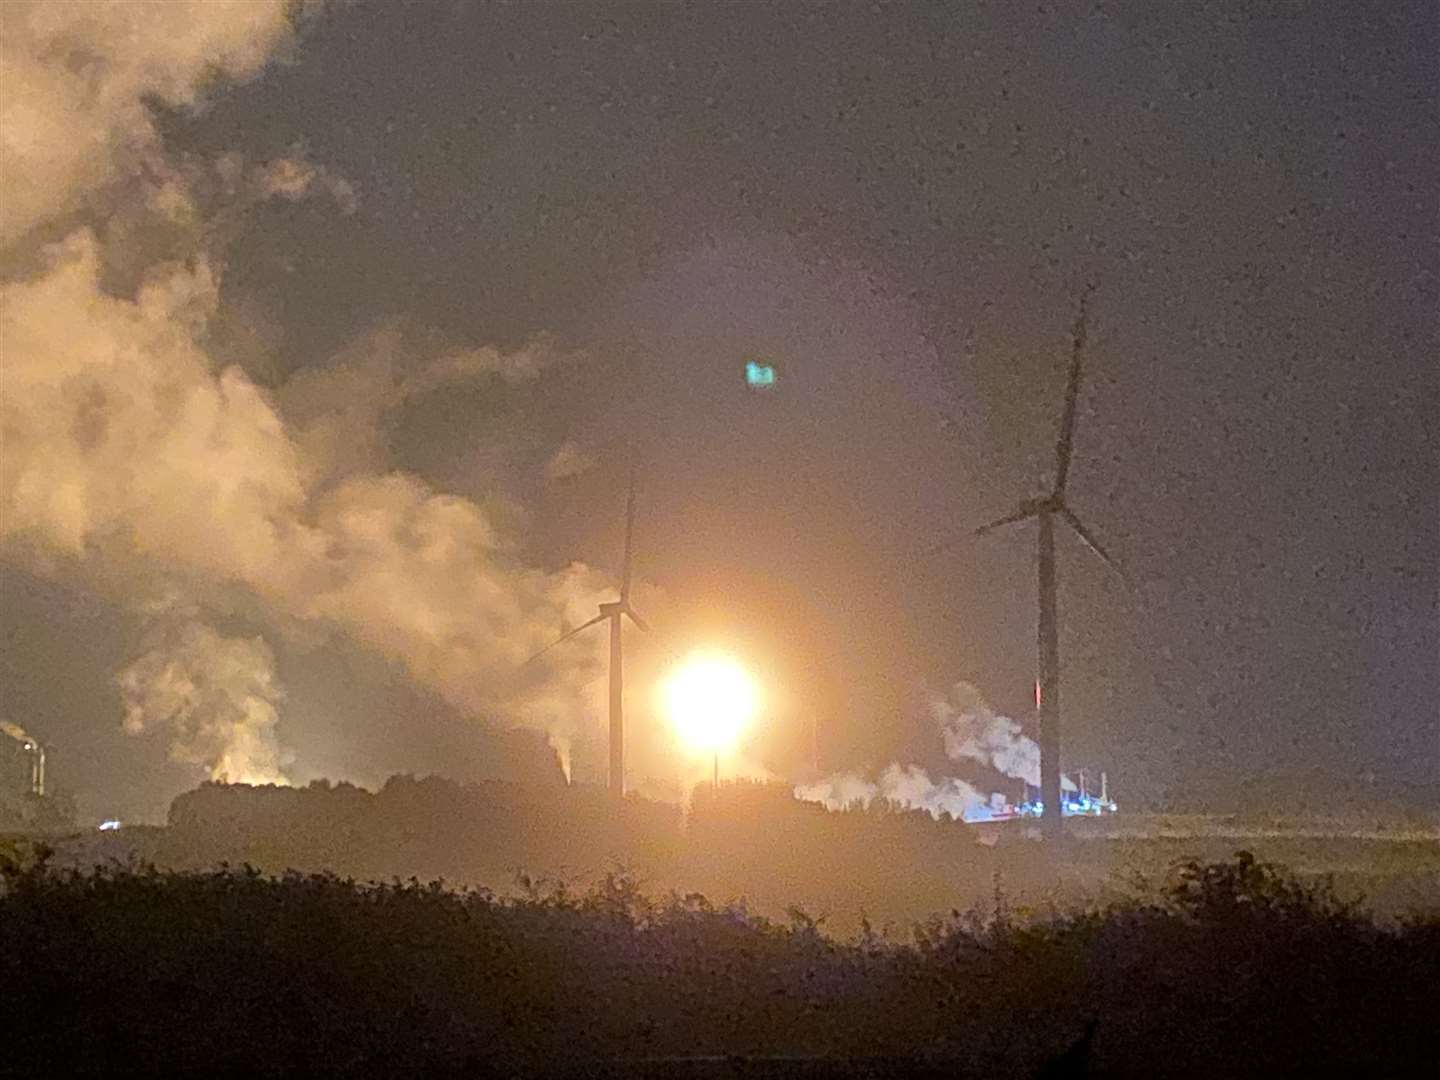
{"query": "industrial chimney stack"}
(30, 745)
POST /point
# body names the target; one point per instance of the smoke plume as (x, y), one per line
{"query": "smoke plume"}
(215, 695)
(135, 463)
(77, 76)
(969, 729)
(15, 731)
(904, 785)
(567, 462)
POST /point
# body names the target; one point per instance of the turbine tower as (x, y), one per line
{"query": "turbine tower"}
(1045, 509)
(616, 611)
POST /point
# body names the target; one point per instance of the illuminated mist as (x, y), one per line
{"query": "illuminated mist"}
(136, 465)
(969, 729)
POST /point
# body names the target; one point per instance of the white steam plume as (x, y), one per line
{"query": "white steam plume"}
(215, 695)
(972, 729)
(129, 456)
(969, 729)
(905, 785)
(563, 746)
(567, 462)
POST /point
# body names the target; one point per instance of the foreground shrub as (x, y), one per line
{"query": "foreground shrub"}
(1235, 970)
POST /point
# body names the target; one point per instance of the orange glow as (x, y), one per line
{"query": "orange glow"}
(710, 700)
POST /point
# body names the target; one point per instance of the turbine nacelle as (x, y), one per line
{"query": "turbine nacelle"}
(1041, 504)
(616, 608)
(611, 609)
(615, 612)
(1055, 505)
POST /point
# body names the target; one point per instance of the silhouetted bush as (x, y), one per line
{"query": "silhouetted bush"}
(1235, 970)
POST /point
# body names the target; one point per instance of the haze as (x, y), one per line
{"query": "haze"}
(328, 336)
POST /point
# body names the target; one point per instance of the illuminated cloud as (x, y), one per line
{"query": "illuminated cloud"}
(137, 465)
(215, 695)
(567, 462)
(77, 76)
(904, 785)
(519, 366)
(973, 730)
(970, 730)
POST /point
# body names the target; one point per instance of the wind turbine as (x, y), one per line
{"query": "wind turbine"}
(616, 611)
(1046, 508)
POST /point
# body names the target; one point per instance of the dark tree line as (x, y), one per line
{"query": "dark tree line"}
(746, 841)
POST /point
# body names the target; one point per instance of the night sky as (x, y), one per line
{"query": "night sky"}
(898, 206)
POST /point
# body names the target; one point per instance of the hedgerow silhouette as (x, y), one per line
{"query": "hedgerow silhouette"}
(1232, 969)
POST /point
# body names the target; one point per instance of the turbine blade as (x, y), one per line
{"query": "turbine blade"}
(629, 537)
(1020, 514)
(1090, 541)
(1066, 444)
(636, 619)
(565, 637)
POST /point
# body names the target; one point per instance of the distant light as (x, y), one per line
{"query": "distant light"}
(759, 376)
(109, 825)
(710, 700)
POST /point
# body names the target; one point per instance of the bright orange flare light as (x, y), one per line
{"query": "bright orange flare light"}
(710, 700)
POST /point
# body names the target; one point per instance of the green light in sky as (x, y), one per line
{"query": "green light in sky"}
(759, 375)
